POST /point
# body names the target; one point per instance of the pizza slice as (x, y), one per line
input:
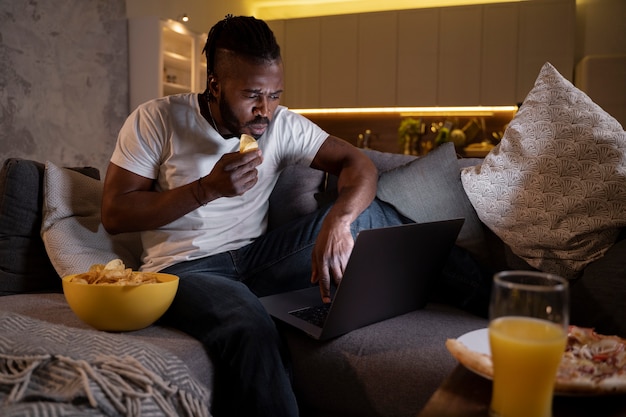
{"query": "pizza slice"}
(592, 363)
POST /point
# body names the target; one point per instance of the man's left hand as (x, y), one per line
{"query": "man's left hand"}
(330, 256)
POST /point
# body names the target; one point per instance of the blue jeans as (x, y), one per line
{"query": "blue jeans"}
(217, 303)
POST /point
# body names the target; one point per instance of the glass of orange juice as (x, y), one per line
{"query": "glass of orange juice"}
(529, 317)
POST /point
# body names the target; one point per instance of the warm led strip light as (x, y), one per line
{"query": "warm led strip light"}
(406, 111)
(289, 9)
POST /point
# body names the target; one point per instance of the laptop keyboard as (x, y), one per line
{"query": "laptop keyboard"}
(315, 315)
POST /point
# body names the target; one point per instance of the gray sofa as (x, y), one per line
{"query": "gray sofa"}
(387, 369)
(560, 164)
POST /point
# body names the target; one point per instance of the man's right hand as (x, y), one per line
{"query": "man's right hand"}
(233, 175)
(130, 203)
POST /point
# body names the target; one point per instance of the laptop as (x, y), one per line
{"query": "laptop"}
(389, 273)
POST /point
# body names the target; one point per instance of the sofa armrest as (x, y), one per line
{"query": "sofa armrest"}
(597, 297)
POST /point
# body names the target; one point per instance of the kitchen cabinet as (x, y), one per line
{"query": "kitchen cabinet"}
(339, 61)
(498, 75)
(546, 33)
(460, 37)
(464, 56)
(164, 58)
(301, 58)
(278, 28)
(487, 54)
(377, 59)
(418, 57)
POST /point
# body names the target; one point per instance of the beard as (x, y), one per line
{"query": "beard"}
(232, 123)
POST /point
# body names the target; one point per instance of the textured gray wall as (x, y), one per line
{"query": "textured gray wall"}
(63, 79)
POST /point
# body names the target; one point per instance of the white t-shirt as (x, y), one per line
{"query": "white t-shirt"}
(168, 140)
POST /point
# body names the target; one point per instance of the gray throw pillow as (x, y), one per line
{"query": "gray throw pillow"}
(24, 263)
(429, 189)
(384, 161)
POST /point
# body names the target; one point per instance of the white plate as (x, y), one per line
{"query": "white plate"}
(477, 340)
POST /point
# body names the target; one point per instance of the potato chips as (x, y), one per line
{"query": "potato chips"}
(114, 273)
(247, 143)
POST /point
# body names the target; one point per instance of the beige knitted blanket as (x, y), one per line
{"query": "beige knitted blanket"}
(52, 370)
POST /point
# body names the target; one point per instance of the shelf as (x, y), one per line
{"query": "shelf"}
(172, 88)
(174, 57)
(164, 59)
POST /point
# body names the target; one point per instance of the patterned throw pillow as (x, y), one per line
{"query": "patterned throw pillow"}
(71, 229)
(554, 189)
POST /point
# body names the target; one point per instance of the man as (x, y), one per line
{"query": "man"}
(176, 176)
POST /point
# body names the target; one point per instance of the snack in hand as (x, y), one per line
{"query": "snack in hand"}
(247, 143)
(114, 273)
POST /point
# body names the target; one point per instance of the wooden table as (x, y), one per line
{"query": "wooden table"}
(465, 394)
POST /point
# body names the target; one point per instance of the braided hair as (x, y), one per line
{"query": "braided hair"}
(243, 35)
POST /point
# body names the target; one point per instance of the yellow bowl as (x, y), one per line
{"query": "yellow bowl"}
(120, 307)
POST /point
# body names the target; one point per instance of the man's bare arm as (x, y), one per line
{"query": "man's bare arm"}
(357, 181)
(130, 203)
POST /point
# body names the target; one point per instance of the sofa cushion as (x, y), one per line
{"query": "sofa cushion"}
(72, 232)
(597, 297)
(554, 189)
(53, 309)
(57, 370)
(294, 194)
(390, 368)
(429, 189)
(24, 264)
